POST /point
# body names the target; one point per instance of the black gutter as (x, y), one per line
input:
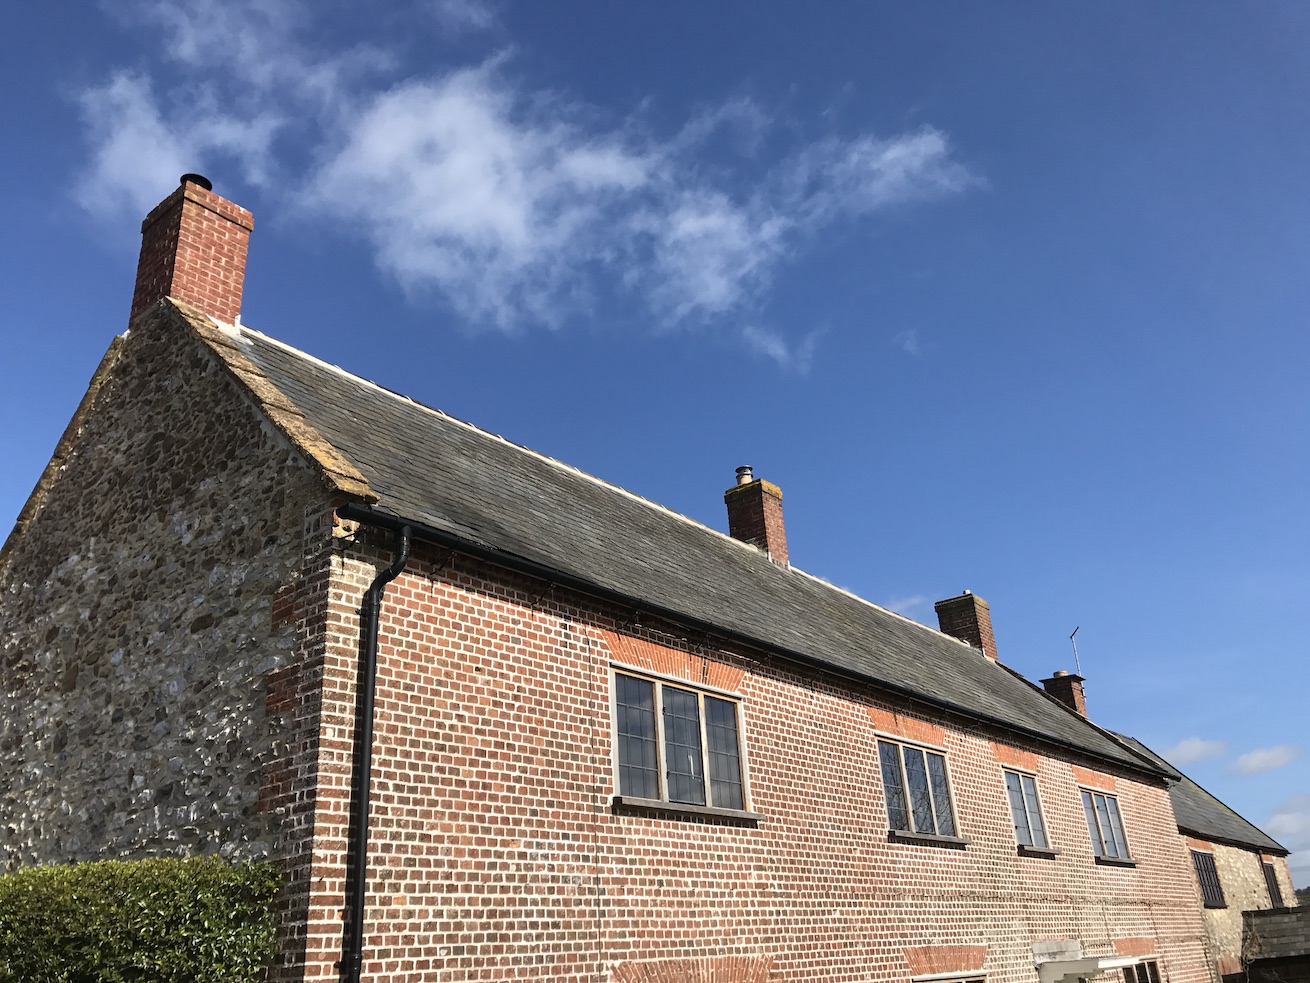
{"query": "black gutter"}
(512, 561)
(361, 782)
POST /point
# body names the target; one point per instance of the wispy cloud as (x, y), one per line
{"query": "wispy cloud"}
(460, 16)
(516, 206)
(1192, 749)
(772, 345)
(908, 341)
(1290, 825)
(1264, 759)
(912, 606)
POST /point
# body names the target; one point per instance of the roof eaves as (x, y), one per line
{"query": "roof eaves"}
(339, 473)
(388, 519)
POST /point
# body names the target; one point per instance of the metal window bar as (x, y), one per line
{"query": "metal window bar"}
(1212, 892)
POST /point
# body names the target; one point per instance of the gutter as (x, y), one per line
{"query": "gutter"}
(361, 780)
(368, 515)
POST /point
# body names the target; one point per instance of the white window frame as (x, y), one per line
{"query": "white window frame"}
(659, 681)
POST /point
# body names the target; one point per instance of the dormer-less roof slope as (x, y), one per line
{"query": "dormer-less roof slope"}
(1201, 814)
(439, 472)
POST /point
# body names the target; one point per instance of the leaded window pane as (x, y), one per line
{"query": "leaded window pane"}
(725, 754)
(682, 747)
(1116, 827)
(1093, 829)
(941, 795)
(1014, 792)
(1034, 810)
(638, 768)
(892, 787)
(916, 782)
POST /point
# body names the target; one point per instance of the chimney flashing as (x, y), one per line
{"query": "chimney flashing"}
(1067, 687)
(969, 618)
(755, 515)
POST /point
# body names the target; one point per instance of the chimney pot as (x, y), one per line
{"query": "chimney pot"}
(755, 514)
(969, 618)
(193, 248)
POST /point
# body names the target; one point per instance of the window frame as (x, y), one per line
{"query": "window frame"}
(663, 803)
(1149, 967)
(1044, 848)
(1271, 883)
(1207, 879)
(1097, 835)
(911, 834)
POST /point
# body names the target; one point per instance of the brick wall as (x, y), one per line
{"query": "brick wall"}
(135, 630)
(497, 854)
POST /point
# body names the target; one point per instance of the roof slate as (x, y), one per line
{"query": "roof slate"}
(435, 470)
(1200, 813)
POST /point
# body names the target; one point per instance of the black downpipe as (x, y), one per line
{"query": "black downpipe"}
(352, 940)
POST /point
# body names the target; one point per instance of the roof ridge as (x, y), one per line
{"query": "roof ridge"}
(245, 329)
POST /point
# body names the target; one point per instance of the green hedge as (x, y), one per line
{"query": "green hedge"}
(195, 920)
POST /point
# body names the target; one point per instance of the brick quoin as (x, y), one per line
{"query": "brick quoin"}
(496, 852)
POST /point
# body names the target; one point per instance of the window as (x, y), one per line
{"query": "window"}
(667, 755)
(915, 786)
(1271, 882)
(1212, 892)
(1143, 972)
(1029, 830)
(1105, 826)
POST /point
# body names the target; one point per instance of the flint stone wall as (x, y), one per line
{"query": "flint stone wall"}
(136, 636)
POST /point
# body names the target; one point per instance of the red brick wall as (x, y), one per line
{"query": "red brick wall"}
(496, 854)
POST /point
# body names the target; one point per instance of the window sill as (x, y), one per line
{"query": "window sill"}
(1223, 904)
(926, 839)
(1025, 850)
(1116, 861)
(631, 805)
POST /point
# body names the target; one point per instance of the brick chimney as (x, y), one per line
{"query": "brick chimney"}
(1067, 687)
(755, 514)
(193, 247)
(968, 618)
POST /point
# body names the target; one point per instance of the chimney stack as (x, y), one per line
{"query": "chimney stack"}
(193, 247)
(968, 618)
(1067, 687)
(755, 514)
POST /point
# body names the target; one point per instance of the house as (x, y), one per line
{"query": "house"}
(1240, 870)
(603, 742)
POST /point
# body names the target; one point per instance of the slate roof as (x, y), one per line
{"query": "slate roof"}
(440, 472)
(1202, 815)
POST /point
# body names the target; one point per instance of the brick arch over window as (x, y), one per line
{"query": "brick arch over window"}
(697, 669)
(710, 969)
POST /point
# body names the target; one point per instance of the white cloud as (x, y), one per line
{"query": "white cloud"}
(772, 345)
(911, 606)
(459, 16)
(1191, 749)
(516, 206)
(1264, 759)
(139, 156)
(1290, 826)
(908, 341)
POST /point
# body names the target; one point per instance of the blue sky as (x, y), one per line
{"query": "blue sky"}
(1009, 297)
